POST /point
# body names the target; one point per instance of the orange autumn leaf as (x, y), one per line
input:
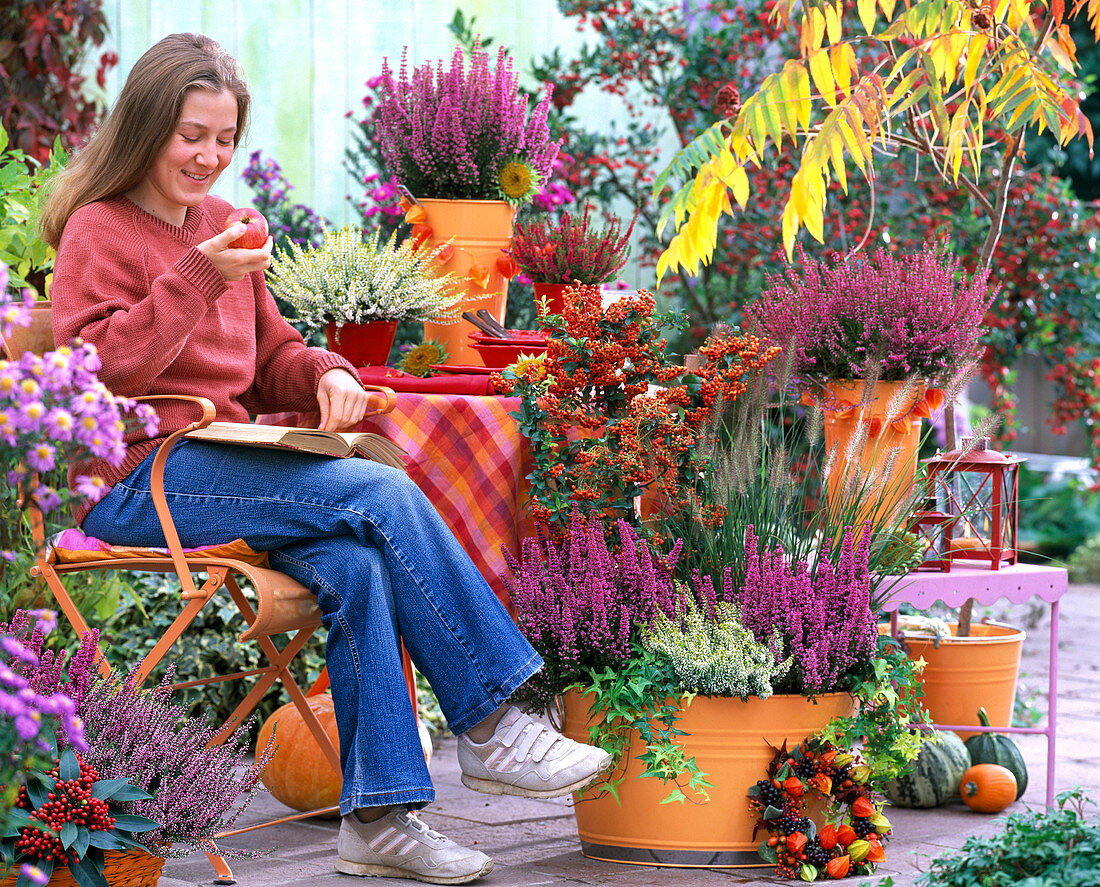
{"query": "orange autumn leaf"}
(838, 868)
(478, 274)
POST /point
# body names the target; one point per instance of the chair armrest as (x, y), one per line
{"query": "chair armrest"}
(383, 401)
(156, 486)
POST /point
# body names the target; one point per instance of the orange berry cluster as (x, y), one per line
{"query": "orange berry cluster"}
(611, 414)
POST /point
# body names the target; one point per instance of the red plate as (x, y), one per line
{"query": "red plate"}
(466, 370)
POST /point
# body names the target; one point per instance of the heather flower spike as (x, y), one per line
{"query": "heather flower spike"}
(463, 132)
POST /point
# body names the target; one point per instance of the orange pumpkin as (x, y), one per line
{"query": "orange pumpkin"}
(988, 788)
(299, 775)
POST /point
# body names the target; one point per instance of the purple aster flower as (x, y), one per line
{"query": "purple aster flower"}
(16, 650)
(41, 457)
(92, 488)
(34, 874)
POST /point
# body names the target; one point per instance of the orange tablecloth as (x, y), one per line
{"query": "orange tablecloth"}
(468, 457)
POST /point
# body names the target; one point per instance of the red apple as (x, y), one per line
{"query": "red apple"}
(255, 231)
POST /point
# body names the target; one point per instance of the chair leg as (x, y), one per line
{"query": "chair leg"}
(224, 874)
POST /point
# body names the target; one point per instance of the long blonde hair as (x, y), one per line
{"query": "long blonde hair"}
(144, 117)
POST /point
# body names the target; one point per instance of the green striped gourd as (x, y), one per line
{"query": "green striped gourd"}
(936, 773)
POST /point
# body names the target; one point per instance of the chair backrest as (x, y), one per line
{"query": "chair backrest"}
(36, 338)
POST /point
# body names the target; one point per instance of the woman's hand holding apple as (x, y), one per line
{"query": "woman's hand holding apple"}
(243, 247)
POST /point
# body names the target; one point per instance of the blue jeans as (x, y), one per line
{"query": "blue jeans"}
(383, 565)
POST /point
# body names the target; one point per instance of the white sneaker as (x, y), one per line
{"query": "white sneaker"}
(399, 845)
(528, 759)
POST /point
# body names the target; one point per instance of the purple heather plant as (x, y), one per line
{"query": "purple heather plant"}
(288, 222)
(912, 314)
(823, 616)
(579, 603)
(197, 783)
(53, 409)
(450, 133)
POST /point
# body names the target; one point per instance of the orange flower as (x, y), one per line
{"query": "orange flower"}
(796, 843)
(876, 853)
(478, 274)
(845, 835)
(793, 786)
(827, 837)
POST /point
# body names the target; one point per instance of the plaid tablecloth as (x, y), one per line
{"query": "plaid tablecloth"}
(469, 459)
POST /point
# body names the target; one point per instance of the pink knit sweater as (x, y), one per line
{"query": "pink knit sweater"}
(165, 321)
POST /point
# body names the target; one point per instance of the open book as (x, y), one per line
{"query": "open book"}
(307, 440)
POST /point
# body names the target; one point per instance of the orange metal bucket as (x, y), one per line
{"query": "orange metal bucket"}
(962, 675)
(479, 231)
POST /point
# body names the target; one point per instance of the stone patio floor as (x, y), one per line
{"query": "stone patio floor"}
(535, 843)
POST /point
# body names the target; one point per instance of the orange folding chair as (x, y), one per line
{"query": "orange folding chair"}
(282, 605)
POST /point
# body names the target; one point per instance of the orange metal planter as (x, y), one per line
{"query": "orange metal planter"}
(730, 741)
(962, 675)
(881, 430)
(478, 230)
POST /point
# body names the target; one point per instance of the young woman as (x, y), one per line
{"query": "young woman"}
(145, 273)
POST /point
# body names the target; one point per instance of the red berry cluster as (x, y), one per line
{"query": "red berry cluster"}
(854, 846)
(70, 801)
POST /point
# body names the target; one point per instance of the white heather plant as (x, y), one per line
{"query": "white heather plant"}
(716, 656)
(351, 280)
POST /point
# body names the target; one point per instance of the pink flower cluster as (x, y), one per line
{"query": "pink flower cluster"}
(578, 602)
(912, 314)
(821, 618)
(447, 133)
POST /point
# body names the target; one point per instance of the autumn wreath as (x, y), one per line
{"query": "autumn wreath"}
(852, 841)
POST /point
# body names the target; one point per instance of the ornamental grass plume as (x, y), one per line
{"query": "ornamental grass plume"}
(578, 603)
(912, 314)
(571, 249)
(823, 619)
(349, 280)
(463, 133)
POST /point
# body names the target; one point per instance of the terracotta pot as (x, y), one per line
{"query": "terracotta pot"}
(479, 230)
(363, 344)
(875, 431)
(730, 741)
(962, 675)
(130, 868)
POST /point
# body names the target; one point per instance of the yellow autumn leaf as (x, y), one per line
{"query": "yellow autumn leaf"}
(813, 30)
(975, 55)
(866, 10)
(843, 58)
(822, 72)
(832, 22)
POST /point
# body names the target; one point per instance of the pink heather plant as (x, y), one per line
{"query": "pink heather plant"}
(448, 134)
(579, 604)
(914, 315)
(571, 250)
(823, 617)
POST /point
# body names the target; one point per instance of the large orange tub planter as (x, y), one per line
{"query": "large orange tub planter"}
(732, 742)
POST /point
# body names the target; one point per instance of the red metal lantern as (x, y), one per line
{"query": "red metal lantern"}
(979, 488)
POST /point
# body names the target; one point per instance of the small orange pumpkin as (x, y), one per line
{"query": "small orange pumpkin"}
(988, 788)
(298, 774)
